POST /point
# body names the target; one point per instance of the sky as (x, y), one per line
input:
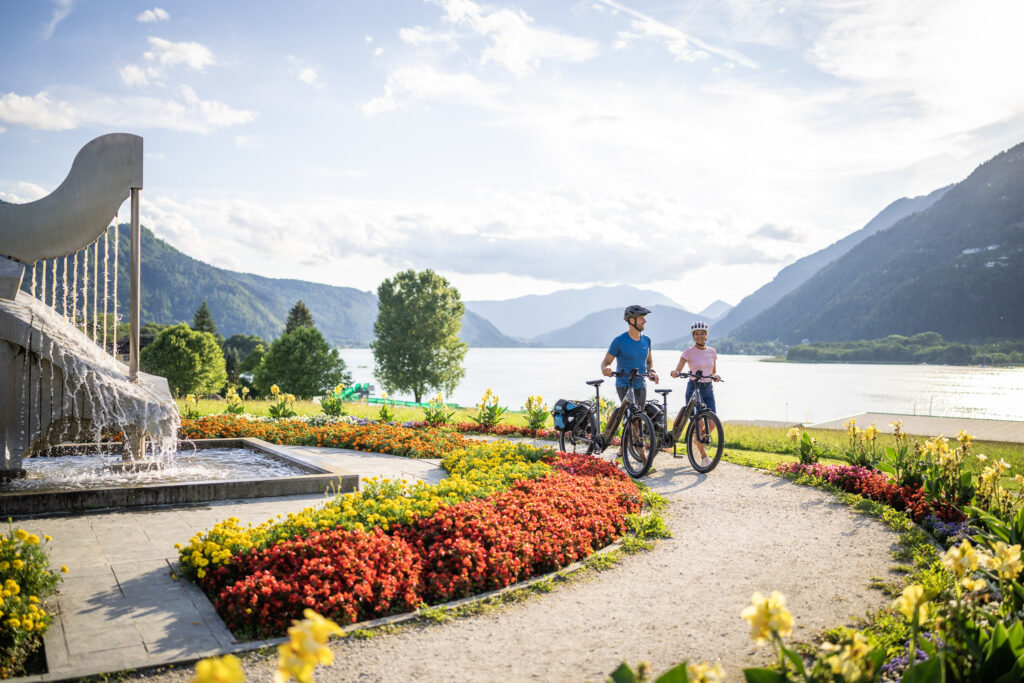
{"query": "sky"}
(693, 148)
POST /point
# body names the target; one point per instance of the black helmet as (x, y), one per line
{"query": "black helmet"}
(634, 311)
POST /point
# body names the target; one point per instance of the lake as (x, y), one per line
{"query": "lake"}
(753, 390)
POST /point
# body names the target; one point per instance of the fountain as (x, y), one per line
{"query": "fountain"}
(60, 376)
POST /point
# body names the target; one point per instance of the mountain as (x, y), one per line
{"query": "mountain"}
(953, 268)
(598, 329)
(174, 285)
(528, 316)
(798, 272)
(715, 311)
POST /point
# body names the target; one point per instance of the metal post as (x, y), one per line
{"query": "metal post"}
(136, 286)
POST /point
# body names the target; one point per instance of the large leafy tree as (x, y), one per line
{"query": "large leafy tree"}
(301, 362)
(417, 347)
(192, 361)
(298, 317)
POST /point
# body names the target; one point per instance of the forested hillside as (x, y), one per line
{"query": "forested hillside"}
(174, 285)
(954, 268)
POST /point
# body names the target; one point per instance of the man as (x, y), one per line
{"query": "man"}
(632, 349)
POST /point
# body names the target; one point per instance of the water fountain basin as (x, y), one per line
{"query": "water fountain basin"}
(310, 474)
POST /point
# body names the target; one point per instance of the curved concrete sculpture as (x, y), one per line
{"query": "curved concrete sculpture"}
(55, 383)
(79, 211)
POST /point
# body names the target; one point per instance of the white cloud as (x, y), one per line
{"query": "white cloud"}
(2, 129)
(38, 111)
(133, 75)
(151, 15)
(61, 9)
(516, 44)
(167, 53)
(24, 192)
(194, 114)
(422, 35)
(423, 82)
(308, 75)
(683, 46)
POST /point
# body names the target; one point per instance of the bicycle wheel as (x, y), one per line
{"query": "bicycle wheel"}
(639, 445)
(705, 441)
(570, 441)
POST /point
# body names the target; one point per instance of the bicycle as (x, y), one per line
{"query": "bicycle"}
(639, 439)
(704, 434)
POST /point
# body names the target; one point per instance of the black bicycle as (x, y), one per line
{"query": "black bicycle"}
(639, 438)
(704, 436)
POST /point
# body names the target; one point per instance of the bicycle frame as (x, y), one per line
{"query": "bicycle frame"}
(628, 406)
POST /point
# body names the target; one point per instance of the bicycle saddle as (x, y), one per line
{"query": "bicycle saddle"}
(595, 382)
(663, 391)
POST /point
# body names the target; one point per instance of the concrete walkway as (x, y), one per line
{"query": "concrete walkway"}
(1010, 431)
(121, 607)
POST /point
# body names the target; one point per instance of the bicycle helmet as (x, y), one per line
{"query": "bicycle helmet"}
(699, 325)
(634, 311)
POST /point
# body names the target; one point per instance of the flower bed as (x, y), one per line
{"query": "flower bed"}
(507, 512)
(375, 437)
(876, 486)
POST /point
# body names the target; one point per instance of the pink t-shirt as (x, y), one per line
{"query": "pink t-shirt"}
(701, 359)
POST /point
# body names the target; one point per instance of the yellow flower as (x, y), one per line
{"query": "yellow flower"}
(17, 564)
(849, 661)
(767, 615)
(1006, 560)
(4, 566)
(245, 391)
(48, 537)
(971, 585)
(275, 390)
(961, 558)
(871, 433)
(851, 426)
(705, 673)
(226, 669)
(21, 535)
(897, 425)
(793, 434)
(64, 569)
(982, 457)
(291, 665)
(912, 601)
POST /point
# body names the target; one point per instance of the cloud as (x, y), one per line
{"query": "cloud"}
(423, 82)
(61, 9)
(24, 192)
(151, 15)
(194, 114)
(779, 233)
(683, 46)
(496, 233)
(167, 53)
(133, 75)
(422, 35)
(516, 44)
(38, 111)
(308, 75)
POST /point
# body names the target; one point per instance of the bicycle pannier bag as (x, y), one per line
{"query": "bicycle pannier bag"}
(564, 414)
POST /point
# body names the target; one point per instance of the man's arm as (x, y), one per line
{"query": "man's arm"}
(650, 367)
(606, 369)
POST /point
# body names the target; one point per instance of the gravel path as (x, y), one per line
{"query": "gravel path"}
(736, 531)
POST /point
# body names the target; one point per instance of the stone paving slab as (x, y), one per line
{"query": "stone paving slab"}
(1009, 431)
(121, 606)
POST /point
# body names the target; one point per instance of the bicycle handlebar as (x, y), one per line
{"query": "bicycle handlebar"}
(632, 373)
(699, 375)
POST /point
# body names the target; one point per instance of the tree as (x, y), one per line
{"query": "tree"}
(191, 361)
(301, 362)
(202, 321)
(243, 343)
(417, 346)
(298, 317)
(253, 360)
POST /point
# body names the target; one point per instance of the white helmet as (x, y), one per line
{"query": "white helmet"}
(699, 325)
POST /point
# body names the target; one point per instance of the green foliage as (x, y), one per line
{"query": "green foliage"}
(244, 344)
(253, 359)
(416, 346)
(202, 321)
(191, 361)
(298, 317)
(926, 347)
(537, 413)
(331, 403)
(301, 363)
(436, 412)
(488, 413)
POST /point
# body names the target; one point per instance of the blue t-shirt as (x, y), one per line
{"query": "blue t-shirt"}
(630, 353)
